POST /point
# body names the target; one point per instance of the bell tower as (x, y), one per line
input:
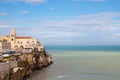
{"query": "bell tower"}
(12, 37)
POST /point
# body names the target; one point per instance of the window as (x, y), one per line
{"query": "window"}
(21, 46)
(41, 49)
(12, 39)
(16, 46)
(27, 42)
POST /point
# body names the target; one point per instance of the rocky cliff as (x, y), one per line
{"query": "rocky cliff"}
(25, 64)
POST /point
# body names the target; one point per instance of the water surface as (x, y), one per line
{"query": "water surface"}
(81, 65)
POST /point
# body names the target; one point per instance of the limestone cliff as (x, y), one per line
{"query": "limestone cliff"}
(26, 63)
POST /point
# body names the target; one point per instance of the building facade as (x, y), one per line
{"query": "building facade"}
(22, 42)
(4, 46)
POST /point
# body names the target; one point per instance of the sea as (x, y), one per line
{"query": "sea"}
(81, 63)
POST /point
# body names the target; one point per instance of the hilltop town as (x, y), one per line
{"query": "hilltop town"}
(19, 43)
(20, 56)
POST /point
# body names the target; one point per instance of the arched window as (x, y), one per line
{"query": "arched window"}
(16, 46)
(12, 39)
(21, 46)
(27, 42)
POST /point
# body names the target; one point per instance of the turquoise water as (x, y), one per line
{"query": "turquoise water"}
(83, 48)
(77, 64)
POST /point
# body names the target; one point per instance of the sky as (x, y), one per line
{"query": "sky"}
(63, 22)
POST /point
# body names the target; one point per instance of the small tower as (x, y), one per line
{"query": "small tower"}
(12, 37)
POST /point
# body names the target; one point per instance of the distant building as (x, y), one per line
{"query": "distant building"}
(4, 46)
(22, 42)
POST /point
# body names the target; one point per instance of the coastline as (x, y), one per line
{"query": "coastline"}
(81, 65)
(26, 64)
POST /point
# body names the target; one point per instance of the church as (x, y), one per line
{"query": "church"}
(21, 42)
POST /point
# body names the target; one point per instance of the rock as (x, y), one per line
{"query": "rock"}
(18, 75)
(26, 63)
(4, 75)
(49, 59)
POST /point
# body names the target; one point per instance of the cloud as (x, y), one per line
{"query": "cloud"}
(64, 34)
(89, 28)
(96, 0)
(101, 22)
(3, 13)
(32, 1)
(93, 22)
(4, 26)
(52, 8)
(85, 27)
(1, 22)
(90, 0)
(23, 12)
(27, 1)
(117, 34)
(98, 16)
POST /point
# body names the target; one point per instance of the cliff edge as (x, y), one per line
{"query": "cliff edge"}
(18, 66)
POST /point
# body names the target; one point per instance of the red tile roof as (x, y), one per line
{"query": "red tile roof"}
(23, 37)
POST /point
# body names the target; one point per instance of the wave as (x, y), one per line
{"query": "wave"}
(59, 77)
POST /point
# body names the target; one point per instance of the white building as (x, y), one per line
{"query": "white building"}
(22, 42)
(4, 46)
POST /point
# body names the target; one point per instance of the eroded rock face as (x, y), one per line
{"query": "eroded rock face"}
(17, 73)
(4, 75)
(27, 62)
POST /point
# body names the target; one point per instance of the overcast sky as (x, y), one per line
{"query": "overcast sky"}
(63, 22)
